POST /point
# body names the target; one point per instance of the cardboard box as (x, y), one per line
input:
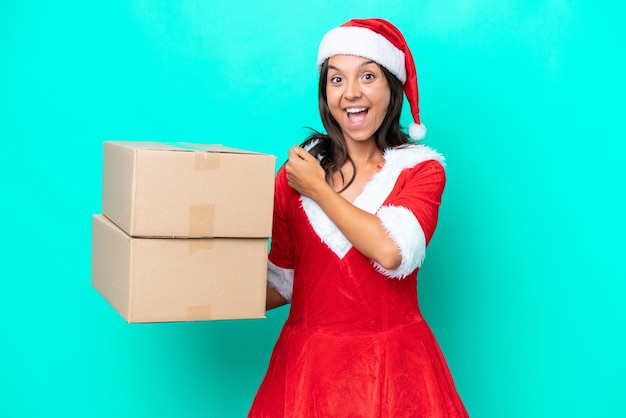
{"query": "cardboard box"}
(153, 189)
(168, 280)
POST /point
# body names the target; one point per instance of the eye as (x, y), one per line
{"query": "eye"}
(369, 76)
(336, 79)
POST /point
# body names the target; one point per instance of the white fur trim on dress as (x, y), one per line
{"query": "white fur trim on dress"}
(280, 279)
(407, 234)
(362, 42)
(373, 195)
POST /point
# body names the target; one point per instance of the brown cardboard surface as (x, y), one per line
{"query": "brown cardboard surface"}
(171, 280)
(153, 189)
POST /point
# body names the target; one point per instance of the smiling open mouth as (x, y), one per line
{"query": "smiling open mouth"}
(356, 114)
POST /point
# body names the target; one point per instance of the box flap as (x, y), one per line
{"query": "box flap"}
(179, 146)
(213, 148)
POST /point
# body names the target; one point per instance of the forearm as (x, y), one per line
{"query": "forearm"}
(364, 230)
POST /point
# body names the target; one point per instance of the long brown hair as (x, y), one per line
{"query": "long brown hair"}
(330, 149)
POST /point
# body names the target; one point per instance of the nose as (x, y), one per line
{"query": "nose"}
(353, 89)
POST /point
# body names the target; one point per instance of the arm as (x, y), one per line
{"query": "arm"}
(280, 262)
(274, 299)
(411, 214)
(364, 230)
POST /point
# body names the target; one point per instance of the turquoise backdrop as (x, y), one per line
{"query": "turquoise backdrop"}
(524, 281)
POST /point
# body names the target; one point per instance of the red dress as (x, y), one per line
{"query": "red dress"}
(355, 343)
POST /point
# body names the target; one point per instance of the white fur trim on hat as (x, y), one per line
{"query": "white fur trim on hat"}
(280, 279)
(407, 234)
(362, 42)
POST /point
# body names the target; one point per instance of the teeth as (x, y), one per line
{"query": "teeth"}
(356, 109)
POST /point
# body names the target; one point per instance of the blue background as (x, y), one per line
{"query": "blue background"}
(524, 280)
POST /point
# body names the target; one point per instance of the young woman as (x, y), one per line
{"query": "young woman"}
(354, 211)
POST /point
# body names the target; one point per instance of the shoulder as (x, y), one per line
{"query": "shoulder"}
(281, 178)
(417, 165)
(412, 155)
(282, 190)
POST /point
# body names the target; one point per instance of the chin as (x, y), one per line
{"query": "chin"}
(359, 137)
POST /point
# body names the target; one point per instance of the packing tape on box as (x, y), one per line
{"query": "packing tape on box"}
(207, 161)
(199, 312)
(201, 220)
(196, 244)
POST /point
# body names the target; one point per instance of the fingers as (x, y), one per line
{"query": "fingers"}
(304, 172)
(296, 156)
(292, 155)
(293, 160)
(300, 161)
(301, 152)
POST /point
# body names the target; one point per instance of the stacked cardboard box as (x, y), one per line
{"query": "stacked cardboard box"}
(184, 231)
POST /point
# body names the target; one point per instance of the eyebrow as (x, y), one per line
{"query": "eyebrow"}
(363, 64)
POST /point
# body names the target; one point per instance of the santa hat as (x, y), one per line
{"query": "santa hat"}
(383, 43)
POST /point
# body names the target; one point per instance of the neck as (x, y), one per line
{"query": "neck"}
(364, 152)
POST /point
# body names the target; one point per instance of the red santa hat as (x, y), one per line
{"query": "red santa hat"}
(383, 43)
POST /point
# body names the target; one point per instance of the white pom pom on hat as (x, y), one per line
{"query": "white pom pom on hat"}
(383, 43)
(417, 131)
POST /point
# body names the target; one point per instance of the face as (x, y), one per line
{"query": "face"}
(358, 96)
